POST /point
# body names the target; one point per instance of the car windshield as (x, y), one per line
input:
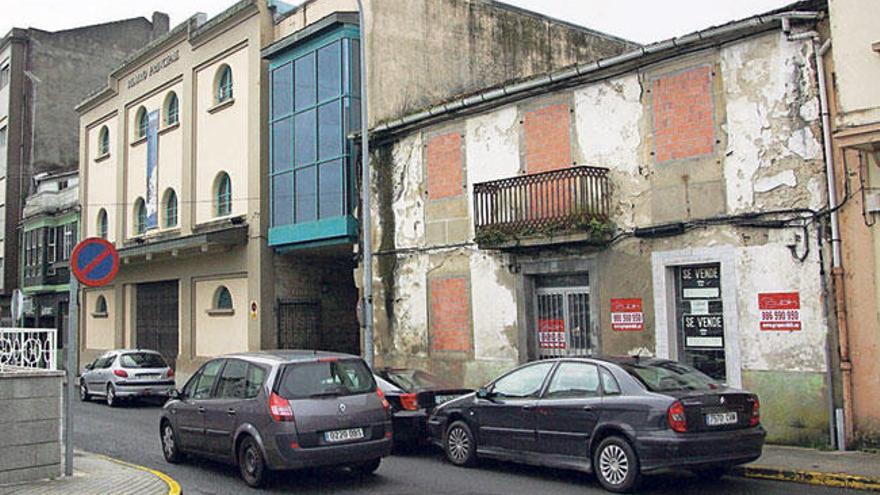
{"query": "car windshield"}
(665, 376)
(330, 378)
(142, 360)
(415, 380)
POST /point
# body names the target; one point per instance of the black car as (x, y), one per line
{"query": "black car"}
(413, 395)
(616, 417)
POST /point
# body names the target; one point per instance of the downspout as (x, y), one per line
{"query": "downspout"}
(366, 191)
(837, 271)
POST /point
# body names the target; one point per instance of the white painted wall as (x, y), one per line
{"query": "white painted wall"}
(100, 181)
(856, 65)
(220, 334)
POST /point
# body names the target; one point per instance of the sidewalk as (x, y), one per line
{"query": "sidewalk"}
(856, 470)
(94, 474)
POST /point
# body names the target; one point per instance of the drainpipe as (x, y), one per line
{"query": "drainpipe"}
(837, 271)
(366, 188)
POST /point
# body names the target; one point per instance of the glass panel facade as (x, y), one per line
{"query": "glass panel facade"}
(315, 106)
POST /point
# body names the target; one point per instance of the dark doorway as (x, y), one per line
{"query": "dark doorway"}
(157, 319)
(299, 324)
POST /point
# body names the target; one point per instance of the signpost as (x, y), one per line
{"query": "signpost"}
(94, 262)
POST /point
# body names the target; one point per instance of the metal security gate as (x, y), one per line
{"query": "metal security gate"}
(157, 319)
(299, 325)
(563, 322)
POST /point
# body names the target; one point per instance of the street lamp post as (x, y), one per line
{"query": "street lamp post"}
(366, 223)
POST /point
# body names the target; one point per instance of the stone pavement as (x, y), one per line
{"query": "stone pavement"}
(858, 470)
(99, 475)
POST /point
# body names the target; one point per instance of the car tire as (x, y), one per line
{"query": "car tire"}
(616, 465)
(170, 447)
(84, 395)
(712, 473)
(111, 399)
(251, 464)
(369, 467)
(460, 444)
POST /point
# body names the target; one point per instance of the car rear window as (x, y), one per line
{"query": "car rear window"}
(328, 378)
(142, 360)
(667, 376)
(416, 380)
(386, 386)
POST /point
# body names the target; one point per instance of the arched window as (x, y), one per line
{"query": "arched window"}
(101, 226)
(224, 84)
(142, 122)
(103, 141)
(101, 306)
(140, 216)
(172, 109)
(222, 298)
(170, 208)
(222, 195)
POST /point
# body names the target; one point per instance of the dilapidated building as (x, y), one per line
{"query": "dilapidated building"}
(667, 201)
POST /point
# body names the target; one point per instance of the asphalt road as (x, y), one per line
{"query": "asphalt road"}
(131, 433)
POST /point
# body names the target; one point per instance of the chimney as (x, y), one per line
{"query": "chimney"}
(161, 24)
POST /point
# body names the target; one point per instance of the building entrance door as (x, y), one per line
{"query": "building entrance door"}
(157, 319)
(299, 325)
(563, 317)
(699, 312)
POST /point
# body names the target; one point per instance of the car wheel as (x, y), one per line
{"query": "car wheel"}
(711, 474)
(369, 467)
(616, 465)
(460, 444)
(251, 463)
(111, 398)
(84, 392)
(170, 449)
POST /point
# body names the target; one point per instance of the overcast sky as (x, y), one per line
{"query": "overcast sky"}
(639, 20)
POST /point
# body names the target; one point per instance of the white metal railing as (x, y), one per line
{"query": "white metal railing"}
(28, 348)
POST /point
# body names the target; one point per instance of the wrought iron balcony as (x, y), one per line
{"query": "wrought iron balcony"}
(571, 203)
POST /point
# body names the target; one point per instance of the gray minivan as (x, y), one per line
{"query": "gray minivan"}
(279, 410)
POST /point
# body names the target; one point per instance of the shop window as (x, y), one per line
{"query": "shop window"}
(224, 84)
(222, 195)
(172, 109)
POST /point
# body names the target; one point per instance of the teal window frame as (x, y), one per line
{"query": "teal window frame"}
(143, 122)
(223, 298)
(170, 209)
(224, 84)
(172, 109)
(140, 208)
(103, 141)
(102, 223)
(319, 226)
(223, 195)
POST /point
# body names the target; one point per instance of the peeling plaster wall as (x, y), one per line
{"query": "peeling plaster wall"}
(494, 303)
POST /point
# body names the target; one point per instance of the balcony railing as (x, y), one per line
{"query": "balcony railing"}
(563, 202)
(28, 348)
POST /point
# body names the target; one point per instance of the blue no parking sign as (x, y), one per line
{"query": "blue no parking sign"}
(94, 262)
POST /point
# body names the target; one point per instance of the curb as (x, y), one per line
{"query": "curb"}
(173, 486)
(835, 480)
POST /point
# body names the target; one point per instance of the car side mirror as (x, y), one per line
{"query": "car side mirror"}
(175, 394)
(89, 367)
(484, 393)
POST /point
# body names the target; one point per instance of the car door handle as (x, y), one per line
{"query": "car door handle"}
(588, 408)
(230, 411)
(527, 408)
(201, 410)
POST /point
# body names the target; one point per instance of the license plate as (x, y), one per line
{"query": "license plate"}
(440, 399)
(148, 376)
(719, 419)
(343, 435)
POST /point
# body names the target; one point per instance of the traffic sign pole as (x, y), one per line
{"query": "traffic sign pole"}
(71, 353)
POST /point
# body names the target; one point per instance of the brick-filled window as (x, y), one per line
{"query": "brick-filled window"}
(548, 138)
(450, 315)
(444, 166)
(683, 115)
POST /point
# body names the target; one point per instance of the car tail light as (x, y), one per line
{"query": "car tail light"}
(410, 402)
(755, 418)
(120, 373)
(381, 395)
(676, 418)
(170, 373)
(279, 408)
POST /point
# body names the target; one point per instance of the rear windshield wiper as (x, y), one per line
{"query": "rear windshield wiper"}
(335, 393)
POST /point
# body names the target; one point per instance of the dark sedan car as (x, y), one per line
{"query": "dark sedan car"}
(413, 395)
(616, 417)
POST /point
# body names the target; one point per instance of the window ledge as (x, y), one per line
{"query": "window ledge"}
(169, 128)
(99, 315)
(102, 157)
(142, 139)
(220, 312)
(221, 105)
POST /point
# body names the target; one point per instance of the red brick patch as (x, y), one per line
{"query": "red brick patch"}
(683, 115)
(450, 315)
(548, 139)
(444, 166)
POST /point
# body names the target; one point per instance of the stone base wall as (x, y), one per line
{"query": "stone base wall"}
(30, 425)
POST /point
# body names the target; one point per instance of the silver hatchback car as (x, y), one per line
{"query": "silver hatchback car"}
(126, 374)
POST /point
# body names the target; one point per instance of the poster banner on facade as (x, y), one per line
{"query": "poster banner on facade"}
(780, 311)
(701, 281)
(627, 315)
(152, 200)
(551, 334)
(703, 331)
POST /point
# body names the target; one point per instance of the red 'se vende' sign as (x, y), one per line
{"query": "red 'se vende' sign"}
(780, 311)
(626, 315)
